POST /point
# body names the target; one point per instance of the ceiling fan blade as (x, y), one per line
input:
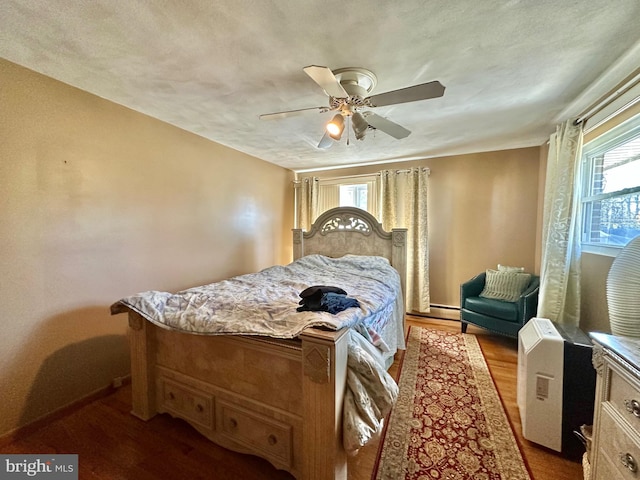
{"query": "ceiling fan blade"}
(423, 91)
(326, 141)
(386, 126)
(324, 77)
(290, 113)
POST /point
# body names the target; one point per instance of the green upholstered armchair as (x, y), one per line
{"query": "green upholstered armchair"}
(505, 318)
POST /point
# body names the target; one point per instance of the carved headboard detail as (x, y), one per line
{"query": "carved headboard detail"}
(349, 230)
(345, 221)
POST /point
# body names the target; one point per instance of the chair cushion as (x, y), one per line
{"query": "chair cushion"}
(493, 308)
(505, 286)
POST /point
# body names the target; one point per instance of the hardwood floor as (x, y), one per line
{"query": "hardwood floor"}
(112, 444)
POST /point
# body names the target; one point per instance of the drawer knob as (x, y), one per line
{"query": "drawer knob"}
(628, 461)
(172, 396)
(233, 422)
(199, 408)
(632, 406)
(272, 439)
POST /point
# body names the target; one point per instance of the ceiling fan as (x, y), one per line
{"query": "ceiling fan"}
(347, 89)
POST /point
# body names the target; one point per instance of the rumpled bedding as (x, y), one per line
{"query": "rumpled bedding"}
(265, 303)
(370, 394)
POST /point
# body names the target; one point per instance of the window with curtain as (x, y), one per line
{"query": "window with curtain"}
(358, 191)
(611, 187)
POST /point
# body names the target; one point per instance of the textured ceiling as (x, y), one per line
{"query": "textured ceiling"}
(512, 68)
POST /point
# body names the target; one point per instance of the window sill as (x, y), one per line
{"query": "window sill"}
(609, 251)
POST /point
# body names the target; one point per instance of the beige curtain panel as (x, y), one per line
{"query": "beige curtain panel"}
(306, 202)
(404, 205)
(559, 298)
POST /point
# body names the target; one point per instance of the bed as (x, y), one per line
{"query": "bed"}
(279, 398)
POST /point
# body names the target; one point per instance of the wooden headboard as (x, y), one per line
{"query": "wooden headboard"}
(349, 230)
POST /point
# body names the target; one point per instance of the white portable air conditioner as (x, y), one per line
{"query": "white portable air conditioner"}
(556, 384)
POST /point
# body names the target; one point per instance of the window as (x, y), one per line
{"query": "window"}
(357, 191)
(354, 195)
(611, 188)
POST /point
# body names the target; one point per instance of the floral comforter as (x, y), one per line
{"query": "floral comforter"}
(265, 303)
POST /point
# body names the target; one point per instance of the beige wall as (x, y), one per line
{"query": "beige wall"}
(594, 313)
(99, 202)
(483, 210)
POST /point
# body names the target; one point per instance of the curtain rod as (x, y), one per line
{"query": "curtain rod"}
(603, 103)
(362, 175)
(345, 177)
(407, 170)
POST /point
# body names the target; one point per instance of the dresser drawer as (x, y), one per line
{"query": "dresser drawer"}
(186, 402)
(271, 438)
(607, 470)
(617, 448)
(625, 399)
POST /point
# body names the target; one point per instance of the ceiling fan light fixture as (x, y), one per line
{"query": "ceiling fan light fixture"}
(348, 90)
(360, 125)
(336, 126)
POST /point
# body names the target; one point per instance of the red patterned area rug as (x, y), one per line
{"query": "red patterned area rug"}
(449, 422)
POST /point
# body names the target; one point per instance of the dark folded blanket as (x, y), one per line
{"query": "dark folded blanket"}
(323, 298)
(317, 290)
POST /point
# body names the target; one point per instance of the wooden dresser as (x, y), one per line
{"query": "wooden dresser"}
(615, 452)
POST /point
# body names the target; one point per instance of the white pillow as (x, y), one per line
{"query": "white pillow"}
(506, 268)
(506, 286)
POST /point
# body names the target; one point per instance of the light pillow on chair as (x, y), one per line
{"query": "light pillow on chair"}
(505, 268)
(506, 286)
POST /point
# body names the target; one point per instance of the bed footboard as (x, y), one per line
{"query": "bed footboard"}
(280, 400)
(325, 376)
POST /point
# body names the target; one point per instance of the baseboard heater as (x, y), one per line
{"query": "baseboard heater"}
(445, 312)
(556, 385)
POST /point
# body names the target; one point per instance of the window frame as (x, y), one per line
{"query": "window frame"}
(625, 132)
(356, 188)
(372, 181)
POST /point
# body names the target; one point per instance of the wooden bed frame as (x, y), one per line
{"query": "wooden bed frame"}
(278, 399)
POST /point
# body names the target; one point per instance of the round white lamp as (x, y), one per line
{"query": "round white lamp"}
(623, 291)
